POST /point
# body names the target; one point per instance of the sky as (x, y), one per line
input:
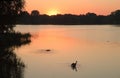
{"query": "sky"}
(52, 7)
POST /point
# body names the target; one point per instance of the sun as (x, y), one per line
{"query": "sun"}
(52, 12)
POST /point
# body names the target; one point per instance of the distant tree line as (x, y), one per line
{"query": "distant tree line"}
(68, 19)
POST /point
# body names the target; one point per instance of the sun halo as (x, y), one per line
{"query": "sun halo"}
(53, 12)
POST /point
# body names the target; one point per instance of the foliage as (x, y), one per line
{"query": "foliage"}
(69, 19)
(115, 17)
(10, 65)
(9, 9)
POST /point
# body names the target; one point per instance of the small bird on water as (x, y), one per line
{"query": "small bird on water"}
(73, 65)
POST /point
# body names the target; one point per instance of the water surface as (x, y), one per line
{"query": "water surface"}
(95, 47)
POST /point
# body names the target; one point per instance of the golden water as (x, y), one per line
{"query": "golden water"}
(95, 47)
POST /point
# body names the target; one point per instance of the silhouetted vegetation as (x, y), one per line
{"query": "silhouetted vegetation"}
(10, 65)
(115, 17)
(16, 39)
(9, 11)
(68, 19)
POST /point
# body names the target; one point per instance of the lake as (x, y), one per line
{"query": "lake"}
(55, 47)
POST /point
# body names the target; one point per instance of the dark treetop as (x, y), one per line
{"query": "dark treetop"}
(68, 19)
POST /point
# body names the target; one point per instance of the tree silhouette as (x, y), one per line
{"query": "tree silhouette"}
(24, 13)
(35, 17)
(115, 16)
(23, 17)
(35, 13)
(91, 14)
(9, 9)
(68, 19)
(11, 66)
(115, 13)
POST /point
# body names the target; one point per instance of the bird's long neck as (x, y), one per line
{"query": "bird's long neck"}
(76, 62)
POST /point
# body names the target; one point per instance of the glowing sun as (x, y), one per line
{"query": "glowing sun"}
(52, 12)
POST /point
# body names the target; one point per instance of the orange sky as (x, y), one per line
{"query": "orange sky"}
(103, 7)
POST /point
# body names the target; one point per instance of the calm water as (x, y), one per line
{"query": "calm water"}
(95, 47)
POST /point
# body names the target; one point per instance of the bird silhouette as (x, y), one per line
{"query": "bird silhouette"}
(73, 65)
